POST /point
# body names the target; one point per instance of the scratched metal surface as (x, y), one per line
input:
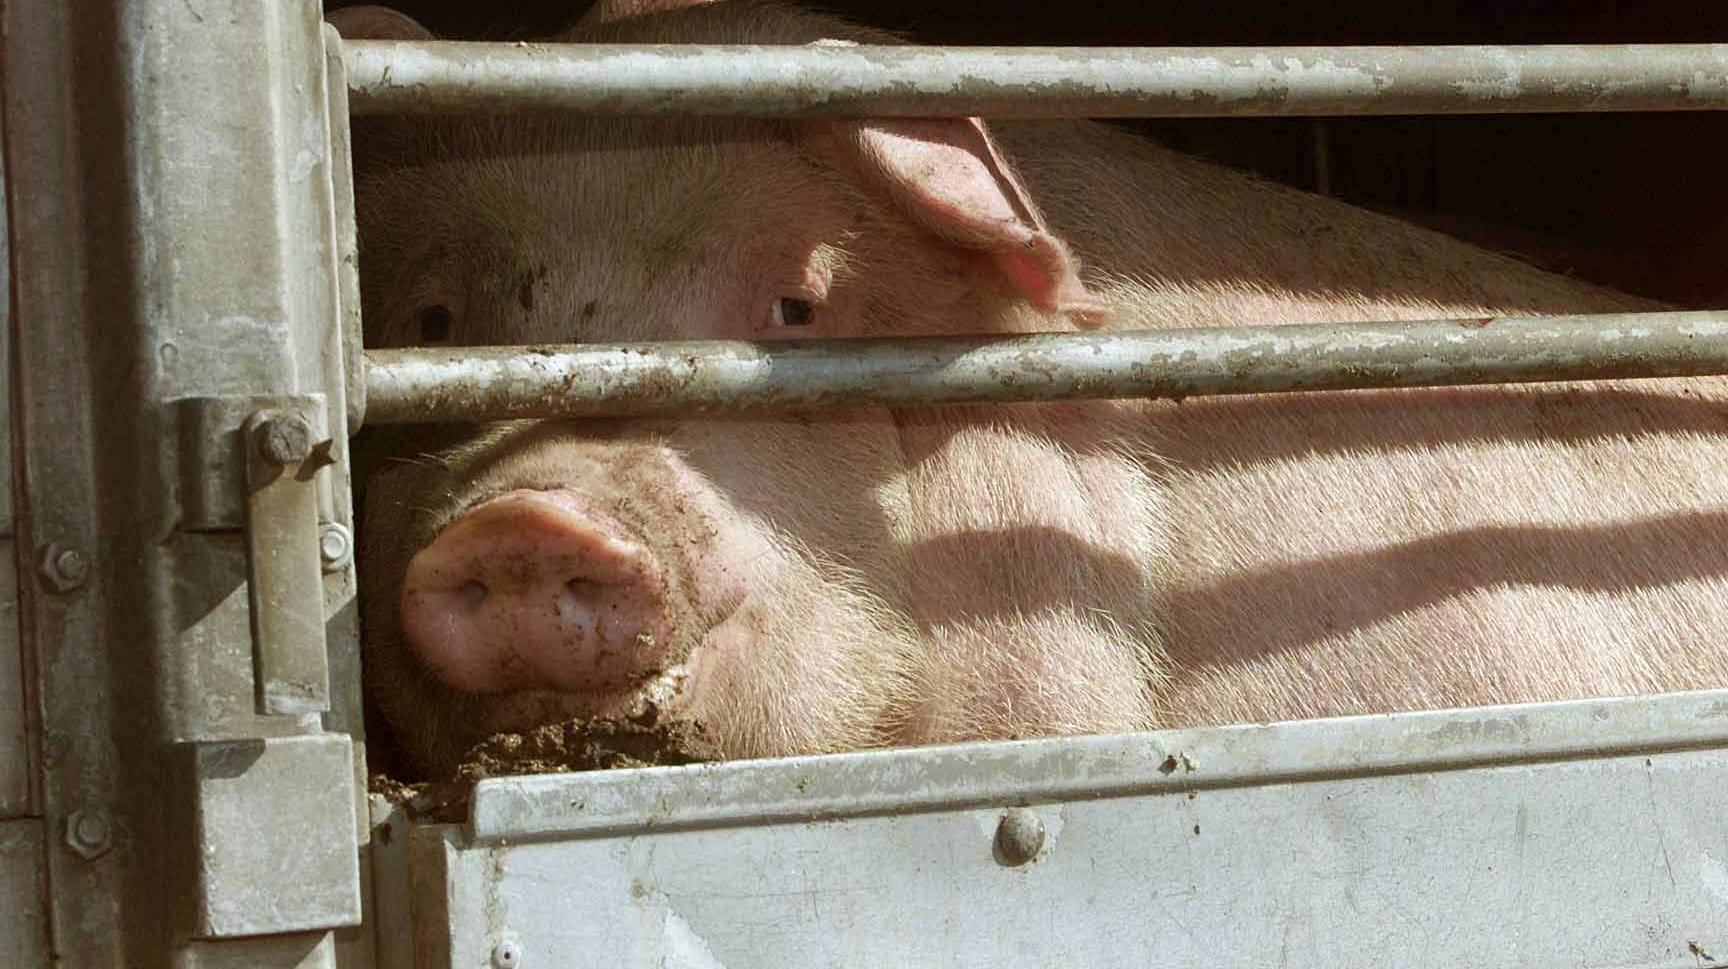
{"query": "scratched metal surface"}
(598, 380)
(1030, 82)
(1578, 834)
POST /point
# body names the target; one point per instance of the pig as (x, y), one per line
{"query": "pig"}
(870, 577)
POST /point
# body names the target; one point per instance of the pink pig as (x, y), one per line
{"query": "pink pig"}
(838, 580)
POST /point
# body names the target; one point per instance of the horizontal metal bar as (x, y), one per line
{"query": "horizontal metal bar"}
(498, 383)
(538, 807)
(1004, 82)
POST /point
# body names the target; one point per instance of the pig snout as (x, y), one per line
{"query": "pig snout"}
(537, 590)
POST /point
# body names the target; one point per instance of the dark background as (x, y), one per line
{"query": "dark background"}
(1631, 200)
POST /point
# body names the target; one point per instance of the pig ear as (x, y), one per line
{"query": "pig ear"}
(606, 11)
(372, 22)
(948, 175)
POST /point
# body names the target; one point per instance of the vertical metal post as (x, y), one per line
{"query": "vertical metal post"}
(16, 739)
(23, 928)
(54, 122)
(172, 173)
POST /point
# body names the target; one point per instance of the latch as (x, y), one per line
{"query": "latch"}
(286, 577)
(272, 827)
(253, 462)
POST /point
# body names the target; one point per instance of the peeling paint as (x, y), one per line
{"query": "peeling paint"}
(1508, 85)
(685, 949)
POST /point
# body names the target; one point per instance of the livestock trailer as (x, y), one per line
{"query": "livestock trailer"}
(182, 774)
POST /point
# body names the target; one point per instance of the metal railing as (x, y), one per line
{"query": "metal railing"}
(1645, 766)
(401, 386)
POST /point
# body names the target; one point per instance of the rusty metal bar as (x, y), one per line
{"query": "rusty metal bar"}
(392, 77)
(497, 383)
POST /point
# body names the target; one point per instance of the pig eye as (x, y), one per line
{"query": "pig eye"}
(793, 312)
(435, 324)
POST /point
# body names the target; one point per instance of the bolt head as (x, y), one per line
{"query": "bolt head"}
(335, 546)
(1019, 837)
(284, 439)
(506, 955)
(64, 569)
(89, 833)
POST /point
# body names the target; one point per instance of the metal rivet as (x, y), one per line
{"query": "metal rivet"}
(88, 833)
(506, 955)
(335, 546)
(1019, 837)
(63, 568)
(284, 439)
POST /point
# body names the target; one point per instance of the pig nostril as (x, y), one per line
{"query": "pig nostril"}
(473, 593)
(583, 589)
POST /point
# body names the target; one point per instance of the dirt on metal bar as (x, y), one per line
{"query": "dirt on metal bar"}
(502, 383)
(443, 77)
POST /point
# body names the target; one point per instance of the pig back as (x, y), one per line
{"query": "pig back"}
(1369, 551)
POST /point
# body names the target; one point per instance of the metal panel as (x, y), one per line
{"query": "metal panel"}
(7, 511)
(497, 383)
(238, 299)
(344, 380)
(345, 241)
(1602, 863)
(1585, 834)
(14, 725)
(60, 152)
(440, 882)
(212, 622)
(15, 740)
(517, 809)
(169, 166)
(390, 912)
(1031, 82)
(274, 821)
(23, 922)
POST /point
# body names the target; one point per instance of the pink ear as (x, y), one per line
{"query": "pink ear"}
(606, 11)
(949, 177)
(376, 23)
